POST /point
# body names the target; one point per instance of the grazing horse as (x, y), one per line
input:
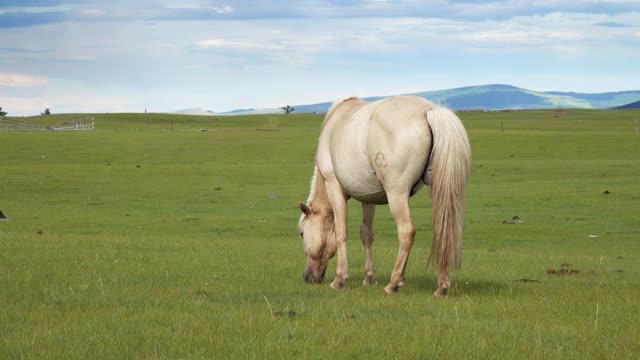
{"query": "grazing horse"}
(383, 152)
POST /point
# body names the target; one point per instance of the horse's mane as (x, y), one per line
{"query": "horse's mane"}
(314, 178)
(312, 195)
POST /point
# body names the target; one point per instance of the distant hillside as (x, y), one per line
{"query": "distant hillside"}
(602, 100)
(497, 97)
(252, 111)
(483, 97)
(633, 105)
(501, 97)
(194, 111)
(202, 112)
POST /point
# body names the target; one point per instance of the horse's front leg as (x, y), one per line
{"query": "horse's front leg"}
(338, 201)
(366, 234)
(399, 206)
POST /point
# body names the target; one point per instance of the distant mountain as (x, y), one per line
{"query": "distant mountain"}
(237, 111)
(501, 97)
(201, 111)
(489, 97)
(603, 100)
(194, 111)
(633, 105)
(252, 111)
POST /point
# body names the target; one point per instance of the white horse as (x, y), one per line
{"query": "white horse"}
(383, 152)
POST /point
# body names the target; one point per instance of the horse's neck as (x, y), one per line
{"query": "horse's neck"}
(318, 194)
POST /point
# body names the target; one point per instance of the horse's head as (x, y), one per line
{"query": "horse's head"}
(319, 241)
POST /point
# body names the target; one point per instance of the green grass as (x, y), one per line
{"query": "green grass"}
(183, 244)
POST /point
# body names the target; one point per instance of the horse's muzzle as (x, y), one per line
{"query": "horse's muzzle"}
(313, 279)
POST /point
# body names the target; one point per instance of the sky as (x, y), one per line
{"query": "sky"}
(166, 55)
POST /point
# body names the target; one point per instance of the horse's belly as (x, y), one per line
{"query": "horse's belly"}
(379, 198)
(362, 184)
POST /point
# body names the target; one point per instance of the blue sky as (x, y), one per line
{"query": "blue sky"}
(164, 55)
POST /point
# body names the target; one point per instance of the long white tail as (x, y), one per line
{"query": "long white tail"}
(449, 166)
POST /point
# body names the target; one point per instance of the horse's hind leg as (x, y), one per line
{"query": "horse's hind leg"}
(399, 206)
(366, 234)
(443, 283)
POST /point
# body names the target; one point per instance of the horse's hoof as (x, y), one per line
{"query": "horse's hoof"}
(441, 292)
(337, 284)
(391, 289)
(369, 281)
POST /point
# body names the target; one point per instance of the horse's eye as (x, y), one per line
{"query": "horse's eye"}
(302, 235)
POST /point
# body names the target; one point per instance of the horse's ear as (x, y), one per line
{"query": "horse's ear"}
(305, 209)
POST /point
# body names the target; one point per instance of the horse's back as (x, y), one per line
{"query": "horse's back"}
(371, 148)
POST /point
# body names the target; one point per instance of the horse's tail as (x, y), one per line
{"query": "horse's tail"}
(447, 175)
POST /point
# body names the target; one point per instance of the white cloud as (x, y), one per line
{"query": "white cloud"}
(501, 36)
(34, 9)
(214, 43)
(21, 80)
(224, 9)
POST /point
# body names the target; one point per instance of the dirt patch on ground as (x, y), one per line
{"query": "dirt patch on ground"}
(285, 314)
(563, 272)
(526, 280)
(514, 220)
(565, 269)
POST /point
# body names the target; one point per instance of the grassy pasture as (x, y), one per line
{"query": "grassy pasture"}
(182, 244)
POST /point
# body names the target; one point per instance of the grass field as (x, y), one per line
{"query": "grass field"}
(133, 241)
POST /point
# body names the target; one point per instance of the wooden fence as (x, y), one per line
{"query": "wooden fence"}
(87, 123)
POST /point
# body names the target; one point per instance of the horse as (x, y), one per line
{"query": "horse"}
(383, 152)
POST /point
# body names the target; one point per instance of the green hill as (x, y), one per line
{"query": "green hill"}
(502, 97)
(633, 105)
